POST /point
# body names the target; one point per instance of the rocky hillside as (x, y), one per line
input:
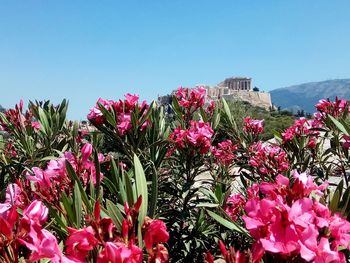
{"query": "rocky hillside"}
(305, 96)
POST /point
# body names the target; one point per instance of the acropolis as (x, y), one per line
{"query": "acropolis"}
(233, 88)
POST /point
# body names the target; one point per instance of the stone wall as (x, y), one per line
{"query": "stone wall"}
(261, 99)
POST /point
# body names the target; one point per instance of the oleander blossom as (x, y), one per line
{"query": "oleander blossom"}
(210, 108)
(49, 183)
(286, 222)
(155, 232)
(122, 110)
(191, 99)
(335, 108)
(225, 152)
(12, 198)
(197, 137)
(268, 159)
(253, 127)
(95, 115)
(41, 243)
(80, 242)
(234, 205)
(302, 128)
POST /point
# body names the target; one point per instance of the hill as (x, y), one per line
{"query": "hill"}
(305, 96)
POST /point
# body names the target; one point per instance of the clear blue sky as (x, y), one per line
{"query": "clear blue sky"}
(83, 50)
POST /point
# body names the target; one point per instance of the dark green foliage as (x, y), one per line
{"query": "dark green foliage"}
(273, 121)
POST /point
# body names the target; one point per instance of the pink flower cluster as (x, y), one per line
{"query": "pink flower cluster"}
(336, 108)
(197, 137)
(99, 234)
(18, 119)
(26, 230)
(224, 152)
(234, 205)
(268, 159)
(302, 128)
(191, 99)
(287, 223)
(115, 247)
(229, 255)
(253, 127)
(122, 111)
(210, 108)
(51, 182)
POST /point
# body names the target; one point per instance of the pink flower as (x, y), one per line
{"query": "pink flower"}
(95, 115)
(304, 185)
(86, 152)
(197, 137)
(12, 198)
(336, 108)
(254, 127)
(155, 232)
(283, 219)
(124, 123)
(159, 254)
(300, 130)
(346, 141)
(268, 159)
(131, 100)
(210, 108)
(116, 252)
(36, 212)
(80, 242)
(234, 204)
(320, 253)
(40, 177)
(43, 245)
(340, 231)
(224, 152)
(191, 99)
(36, 125)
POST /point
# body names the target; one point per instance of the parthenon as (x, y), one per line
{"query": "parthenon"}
(237, 83)
(233, 88)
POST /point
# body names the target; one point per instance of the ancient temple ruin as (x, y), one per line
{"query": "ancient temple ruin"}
(234, 88)
(237, 83)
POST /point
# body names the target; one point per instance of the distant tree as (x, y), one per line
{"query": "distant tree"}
(300, 113)
(256, 89)
(273, 121)
(2, 109)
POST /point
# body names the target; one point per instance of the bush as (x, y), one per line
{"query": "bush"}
(133, 186)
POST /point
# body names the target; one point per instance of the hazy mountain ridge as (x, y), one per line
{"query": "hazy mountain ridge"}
(305, 96)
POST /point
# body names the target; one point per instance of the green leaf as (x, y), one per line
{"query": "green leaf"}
(48, 158)
(98, 175)
(77, 205)
(339, 125)
(229, 224)
(227, 110)
(128, 189)
(67, 205)
(207, 205)
(75, 178)
(141, 190)
(109, 116)
(333, 206)
(346, 202)
(115, 214)
(154, 192)
(44, 121)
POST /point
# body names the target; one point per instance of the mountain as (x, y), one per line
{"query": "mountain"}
(305, 96)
